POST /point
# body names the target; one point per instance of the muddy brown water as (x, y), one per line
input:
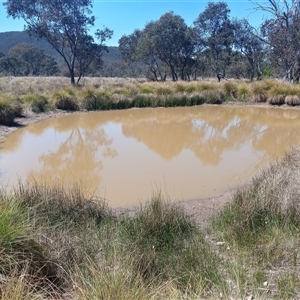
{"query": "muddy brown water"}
(127, 156)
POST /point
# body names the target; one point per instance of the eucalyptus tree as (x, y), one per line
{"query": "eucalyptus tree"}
(173, 43)
(63, 23)
(167, 43)
(9, 65)
(215, 32)
(33, 60)
(250, 45)
(281, 33)
(138, 47)
(90, 53)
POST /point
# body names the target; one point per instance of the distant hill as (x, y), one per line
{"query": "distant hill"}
(12, 38)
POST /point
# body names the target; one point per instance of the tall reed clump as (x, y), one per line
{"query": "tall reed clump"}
(261, 227)
(10, 108)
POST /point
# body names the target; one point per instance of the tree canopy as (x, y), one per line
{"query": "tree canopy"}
(215, 44)
(65, 25)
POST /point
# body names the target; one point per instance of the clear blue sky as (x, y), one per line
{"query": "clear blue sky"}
(123, 16)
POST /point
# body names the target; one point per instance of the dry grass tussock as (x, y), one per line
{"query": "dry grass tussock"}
(41, 94)
(261, 228)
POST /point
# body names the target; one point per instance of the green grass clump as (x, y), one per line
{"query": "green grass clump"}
(185, 88)
(162, 91)
(165, 245)
(94, 100)
(270, 202)
(176, 100)
(293, 96)
(66, 100)
(261, 227)
(243, 92)
(277, 94)
(13, 221)
(58, 203)
(20, 253)
(37, 103)
(61, 240)
(204, 86)
(142, 101)
(292, 100)
(9, 109)
(146, 89)
(215, 96)
(230, 89)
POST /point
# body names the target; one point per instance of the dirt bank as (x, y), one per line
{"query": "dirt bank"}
(30, 118)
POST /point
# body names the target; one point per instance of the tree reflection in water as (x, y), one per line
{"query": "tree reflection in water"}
(214, 143)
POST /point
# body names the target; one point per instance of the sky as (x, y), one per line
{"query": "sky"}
(124, 16)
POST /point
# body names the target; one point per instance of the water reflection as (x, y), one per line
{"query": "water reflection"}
(186, 152)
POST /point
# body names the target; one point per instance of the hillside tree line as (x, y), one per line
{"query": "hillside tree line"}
(219, 45)
(215, 44)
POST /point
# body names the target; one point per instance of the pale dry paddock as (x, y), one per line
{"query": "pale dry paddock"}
(274, 92)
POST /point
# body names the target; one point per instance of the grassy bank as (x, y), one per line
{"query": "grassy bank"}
(40, 94)
(55, 242)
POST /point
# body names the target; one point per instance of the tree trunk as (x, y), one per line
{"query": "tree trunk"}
(72, 77)
(259, 72)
